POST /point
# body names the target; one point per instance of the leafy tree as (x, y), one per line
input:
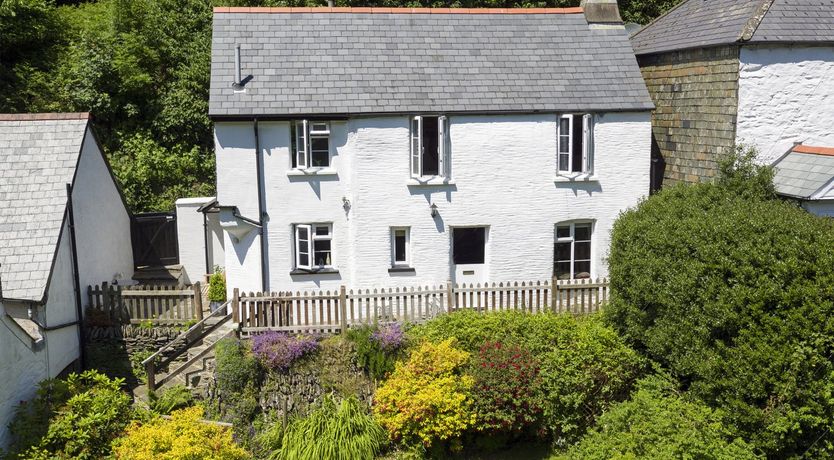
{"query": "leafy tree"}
(734, 293)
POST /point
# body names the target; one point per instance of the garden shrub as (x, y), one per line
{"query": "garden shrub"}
(343, 431)
(427, 399)
(217, 286)
(658, 422)
(279, 350)
(377, 348)
(73, 418)
(734, 293)
(506, 393)
(268, 439)
(584, 365)
(173, 398)
(235, 368)
(183, 437)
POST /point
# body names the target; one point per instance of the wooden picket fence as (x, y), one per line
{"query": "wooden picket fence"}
(142, 303)
(332, 311)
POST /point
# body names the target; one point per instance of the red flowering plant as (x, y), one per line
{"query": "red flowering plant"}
(507, 392)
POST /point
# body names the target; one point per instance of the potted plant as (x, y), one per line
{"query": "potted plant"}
(217, 289)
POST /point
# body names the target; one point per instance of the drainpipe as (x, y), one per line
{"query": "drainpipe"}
(76, 286)
(206, 244)
(261, 213)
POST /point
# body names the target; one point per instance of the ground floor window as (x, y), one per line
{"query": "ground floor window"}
(400, 251)
(468, 245)
(313, 246)
(572, 251)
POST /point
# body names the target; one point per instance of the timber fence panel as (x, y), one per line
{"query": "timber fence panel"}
(135, 304)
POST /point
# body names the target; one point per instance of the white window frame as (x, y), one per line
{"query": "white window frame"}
(587, 144)
(311, 246)
(572, 240)
(416, 147)
(394, 261)
(305, 131)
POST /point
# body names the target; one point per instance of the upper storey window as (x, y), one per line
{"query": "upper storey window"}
(311, 144)
(575, 144)
(429, 146)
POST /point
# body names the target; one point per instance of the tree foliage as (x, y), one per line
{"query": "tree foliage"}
(734, 292)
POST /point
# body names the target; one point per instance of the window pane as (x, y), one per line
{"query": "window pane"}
(583, 269)
(303, 258)
(322, 230)
(563, 231)
(582, 251)
(562, 252)
(431, 158)
(562, 270)
(399, 246)
(576, 161)
(468, 245)
(564, 162)
(564, 144)
(582, 232)
(322, 252)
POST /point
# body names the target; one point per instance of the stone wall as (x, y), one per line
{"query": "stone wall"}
(696, 94)
(111, 349)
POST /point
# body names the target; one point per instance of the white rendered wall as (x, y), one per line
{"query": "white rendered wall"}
(191, 237)
(22, 368)
(102, 224)
(785, 95)
(503, 169)
(61, 344)
(824, 208)
(217, 255)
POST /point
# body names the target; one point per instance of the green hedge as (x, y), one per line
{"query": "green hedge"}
(734, 293)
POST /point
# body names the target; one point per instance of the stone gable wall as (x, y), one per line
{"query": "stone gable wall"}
(696, 94)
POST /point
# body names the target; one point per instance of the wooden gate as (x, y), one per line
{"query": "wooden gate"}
(154, 236)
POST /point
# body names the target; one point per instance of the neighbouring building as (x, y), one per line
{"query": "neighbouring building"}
(378, 147)
(199, 238)
(63, 225)
(722, 72)
(806, 174)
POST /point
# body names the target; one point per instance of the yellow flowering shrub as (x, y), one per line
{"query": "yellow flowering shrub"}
(183, 437)
(427, 398)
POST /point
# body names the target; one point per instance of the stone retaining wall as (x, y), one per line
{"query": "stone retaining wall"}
(696, 95)
(111, 349)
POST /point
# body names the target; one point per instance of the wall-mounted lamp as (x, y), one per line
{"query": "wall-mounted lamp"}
(433, 210)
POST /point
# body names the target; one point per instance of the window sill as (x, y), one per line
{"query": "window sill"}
(402, 270)
(431, 181)
(312, 172)
(576, 178)
(319, 271)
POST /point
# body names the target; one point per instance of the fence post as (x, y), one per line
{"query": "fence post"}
(450, 301)
(343, 309)
(236, 306)
(105, 300)
(198, 301)
(553, 293)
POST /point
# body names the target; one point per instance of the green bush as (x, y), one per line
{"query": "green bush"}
(217, 286)
(333, 431)
(377, 360)
(74, 418)
(734, 293)
(173, 398)
(584, 365)
(235, 367)
(659, 423)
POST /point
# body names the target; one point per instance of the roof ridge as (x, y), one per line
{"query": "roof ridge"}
(754, 21)
(44, 116)
(660, 17)
(379, 10)
(814, 150)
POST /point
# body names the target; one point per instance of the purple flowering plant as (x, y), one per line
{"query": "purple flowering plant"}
(279, 350)
(389, 337)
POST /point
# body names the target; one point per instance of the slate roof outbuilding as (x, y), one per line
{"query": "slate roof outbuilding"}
(804, 171)
(703, 23)
(380, 61)
(38, 157)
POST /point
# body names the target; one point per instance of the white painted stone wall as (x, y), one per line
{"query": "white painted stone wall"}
(503, 169)
(785, 95)
(102, 224)
(192, 233)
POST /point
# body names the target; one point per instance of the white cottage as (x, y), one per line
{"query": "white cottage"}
(63, 225)
(722, 72)
(372, 147)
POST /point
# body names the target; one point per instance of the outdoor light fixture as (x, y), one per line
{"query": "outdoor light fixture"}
(433, 210)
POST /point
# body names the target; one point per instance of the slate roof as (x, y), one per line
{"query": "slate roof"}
(38, 157)
(804, 171)
(381, 60)
(702, 23)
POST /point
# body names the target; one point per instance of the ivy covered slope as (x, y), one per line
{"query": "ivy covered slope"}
(142, 68)
(733, 291)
